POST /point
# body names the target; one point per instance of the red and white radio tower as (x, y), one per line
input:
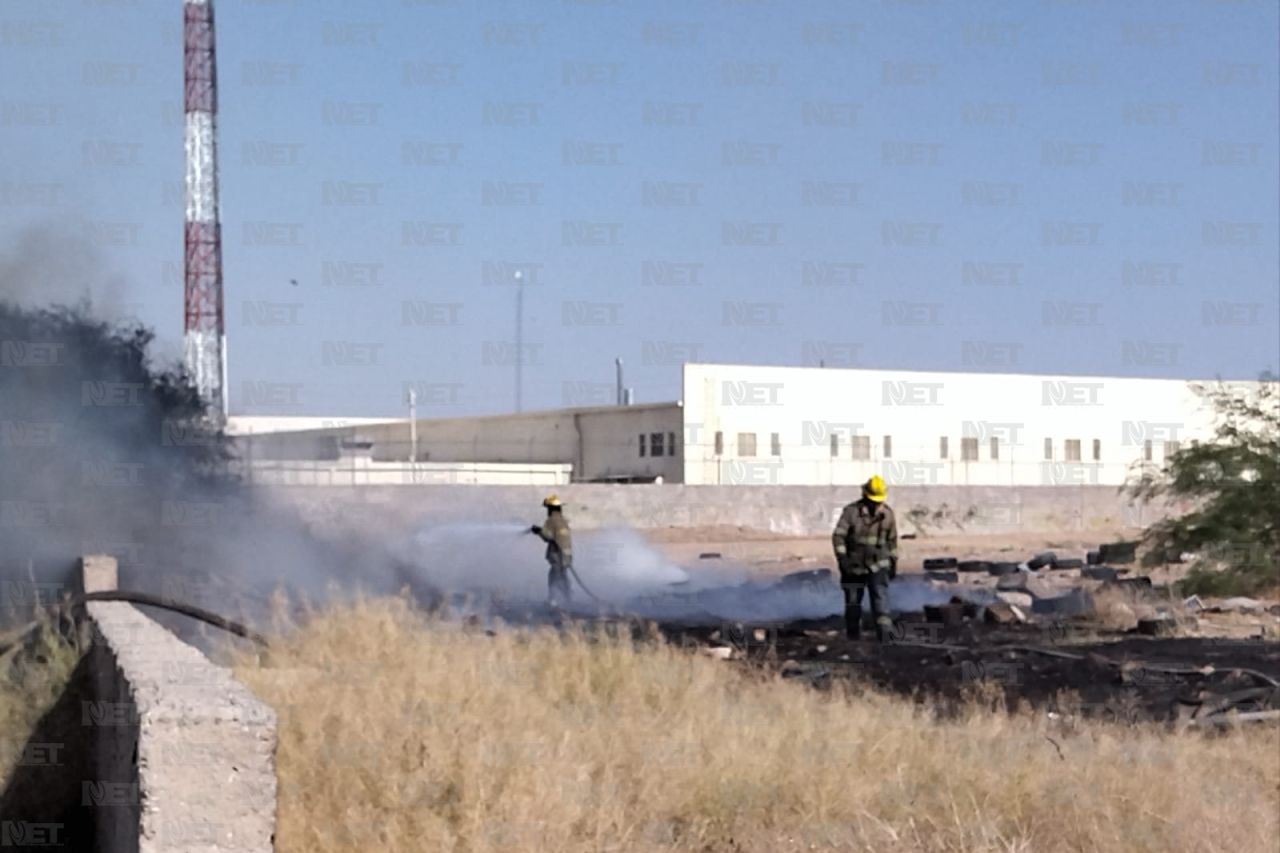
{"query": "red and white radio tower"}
(204, 333)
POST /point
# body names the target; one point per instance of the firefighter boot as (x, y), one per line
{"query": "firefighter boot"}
(853, 623)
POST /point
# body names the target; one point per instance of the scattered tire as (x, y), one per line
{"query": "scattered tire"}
(974, 566)
(1118, 552)
(1002, 569)
(1159, 626)
(1068, 563)
(939, 563)
(1039, 561)
(1098, 573)
(709, 555)
(1093, 558)
(1075, 602)
(1140, 583)
(944, 576)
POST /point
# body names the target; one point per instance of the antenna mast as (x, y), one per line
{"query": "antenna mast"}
(204, 332)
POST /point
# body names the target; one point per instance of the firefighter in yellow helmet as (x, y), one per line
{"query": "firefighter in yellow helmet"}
(555, 532)
(866, 546)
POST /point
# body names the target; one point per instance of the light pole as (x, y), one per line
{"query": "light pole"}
(413, 429)
(519, 340)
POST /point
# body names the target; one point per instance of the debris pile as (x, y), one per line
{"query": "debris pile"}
(1073, 637)
(1182, 681)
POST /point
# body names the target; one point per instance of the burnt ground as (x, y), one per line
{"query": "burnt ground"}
(1069, 668)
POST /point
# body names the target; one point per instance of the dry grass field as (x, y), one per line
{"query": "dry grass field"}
(400, 733)
(33, 673)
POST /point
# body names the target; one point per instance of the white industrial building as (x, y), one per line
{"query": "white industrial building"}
(751, 424)
(550, 447)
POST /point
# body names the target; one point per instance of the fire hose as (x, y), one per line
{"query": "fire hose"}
(189, 610)
(535, 530)
(147, 600)
(593, 596)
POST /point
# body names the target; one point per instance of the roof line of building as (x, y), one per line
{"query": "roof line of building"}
(556, 413)
(993, 374)
(357, 424)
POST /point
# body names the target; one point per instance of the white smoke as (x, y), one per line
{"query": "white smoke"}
(505, 559)
(503, 562)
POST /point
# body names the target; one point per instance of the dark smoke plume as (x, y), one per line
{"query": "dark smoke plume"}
(58, 265)
(103, 451)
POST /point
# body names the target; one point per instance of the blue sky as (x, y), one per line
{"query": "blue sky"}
(1077, 187)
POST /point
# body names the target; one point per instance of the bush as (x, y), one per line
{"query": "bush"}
(1221, 584)
(1233, 483)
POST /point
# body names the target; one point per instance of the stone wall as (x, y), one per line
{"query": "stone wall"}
(150, 748)
(785, 510)
(185, 754)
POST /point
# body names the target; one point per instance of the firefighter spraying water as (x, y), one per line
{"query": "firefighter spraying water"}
(555, 532)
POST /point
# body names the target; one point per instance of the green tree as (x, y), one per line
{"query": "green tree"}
(1233, 485)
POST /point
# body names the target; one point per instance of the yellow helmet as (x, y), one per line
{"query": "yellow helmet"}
(551, 500)
(874, 489)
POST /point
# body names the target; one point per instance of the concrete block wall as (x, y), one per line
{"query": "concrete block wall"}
(368, 473)
(784, 510)
(159, 750)
(184, 757)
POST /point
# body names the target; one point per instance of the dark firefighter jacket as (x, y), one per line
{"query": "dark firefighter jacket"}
(865, 538)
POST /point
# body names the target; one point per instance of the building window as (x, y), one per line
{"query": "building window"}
(1146, 450)
(995, 449)
(888, 447)
(861, 446)
(641, 440)
(671, 444)
(1048, 449)
(835, 445)
(719, 443)
(746, 444)
(942, 447)
(655, 444)
(1071, 449)
(775, 444)
(968, 450)
(1097, 450)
